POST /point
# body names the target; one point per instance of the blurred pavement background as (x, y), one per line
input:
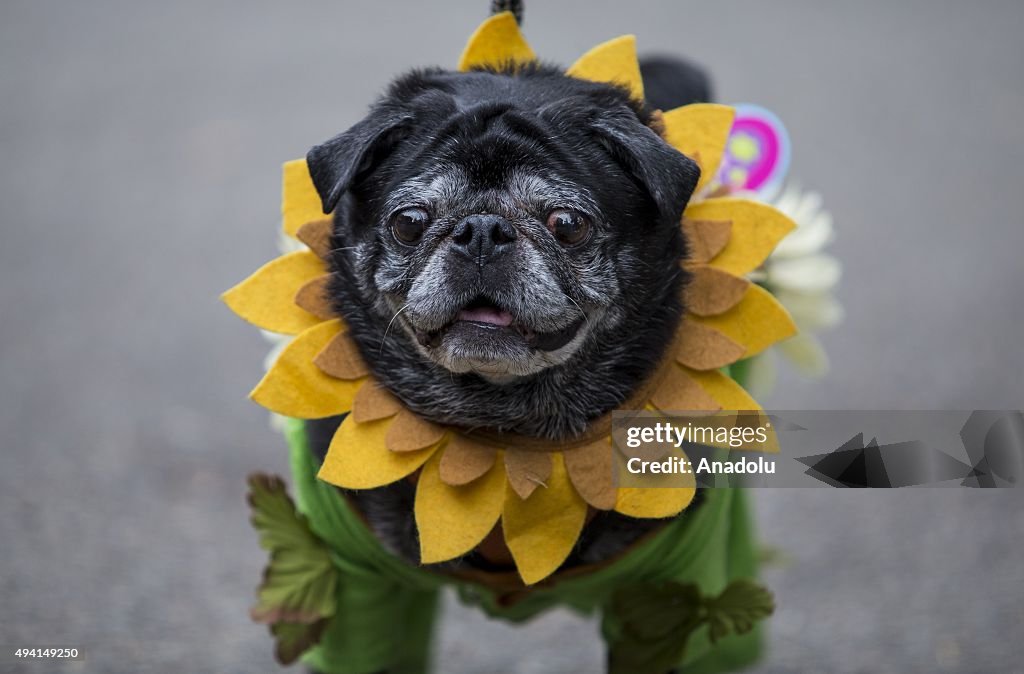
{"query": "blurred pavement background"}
(141, 143)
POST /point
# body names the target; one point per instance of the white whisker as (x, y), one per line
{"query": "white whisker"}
(585, 317)
(386, 330)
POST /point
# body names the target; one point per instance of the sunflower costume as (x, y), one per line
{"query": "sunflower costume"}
(335, 596)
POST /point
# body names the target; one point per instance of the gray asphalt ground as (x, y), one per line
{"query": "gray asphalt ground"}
(140, 145)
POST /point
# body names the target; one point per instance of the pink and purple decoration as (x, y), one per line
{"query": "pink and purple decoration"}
(757, 153)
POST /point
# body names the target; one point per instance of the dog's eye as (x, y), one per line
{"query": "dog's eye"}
(408, 225)
(571, 228)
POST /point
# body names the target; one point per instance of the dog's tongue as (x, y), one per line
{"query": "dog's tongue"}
(488, 315)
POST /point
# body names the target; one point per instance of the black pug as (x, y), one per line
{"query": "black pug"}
(506, 254)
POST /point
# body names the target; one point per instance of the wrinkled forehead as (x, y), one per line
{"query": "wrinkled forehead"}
(494, 138)
(453, 187)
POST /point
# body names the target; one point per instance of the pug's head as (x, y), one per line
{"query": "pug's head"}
(506, 233)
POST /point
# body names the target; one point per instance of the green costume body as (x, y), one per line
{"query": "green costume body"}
(386, 606)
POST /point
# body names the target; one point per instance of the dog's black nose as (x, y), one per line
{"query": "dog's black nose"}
(483, 237)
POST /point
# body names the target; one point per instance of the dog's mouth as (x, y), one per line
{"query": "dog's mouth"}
(485, 321)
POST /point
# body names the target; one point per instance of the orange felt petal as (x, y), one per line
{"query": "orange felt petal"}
(317, 235)
(409, 433)
(464, 460)
(527, 470)
(341, 359)
(313, 298)
(704, 348)
(706, 238)
(373, 402)
(590, 470)
(679, 392)
(295, 387)
(713, 291)
(755, 323)
(267, 298)
(358, 459)
(451, 521)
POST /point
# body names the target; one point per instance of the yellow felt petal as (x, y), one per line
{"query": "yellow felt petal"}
(496, 42)
(613, 62)
(295, 387)
(733, 397)
(726, 392)
(453, 520)
(300, 202)
(661, 496)
(653, 502)
(267, 298)
(541, 530)
(358, 459)
(756, 229)
(700, 131)
(755, 323)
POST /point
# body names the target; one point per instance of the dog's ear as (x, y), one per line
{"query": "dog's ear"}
(338, 164)
(668, 175)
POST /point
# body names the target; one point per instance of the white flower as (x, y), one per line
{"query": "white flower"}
(797, 263)
(802, 277)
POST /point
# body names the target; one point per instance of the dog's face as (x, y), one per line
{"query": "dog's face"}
(507, 224)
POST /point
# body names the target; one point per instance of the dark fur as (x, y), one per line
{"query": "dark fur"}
(627, 279)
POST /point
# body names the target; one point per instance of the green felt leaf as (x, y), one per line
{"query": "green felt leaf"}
(654, 611)
(659, 619)
(299, 589)
(631, 657)
(294, 639)
(740, 605)
(274, 515)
